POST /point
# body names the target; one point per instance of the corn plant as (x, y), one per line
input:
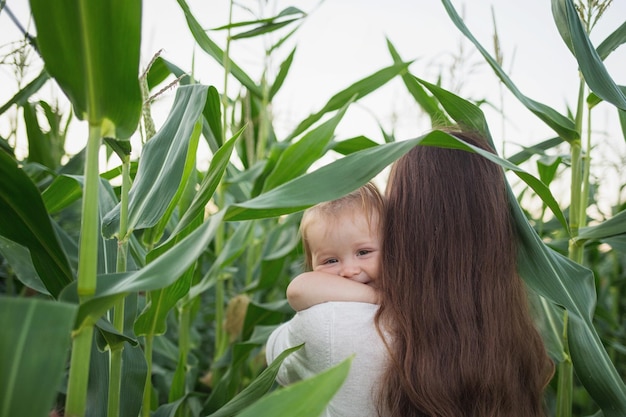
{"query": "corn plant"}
(166, 295)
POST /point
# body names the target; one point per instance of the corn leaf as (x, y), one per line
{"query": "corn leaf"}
(299, 156)
(306, 398)
(25, 221)
(354, 92)
(21, 97)
(216, 52)
(29, 378)
(563, 126)
(470, 116)
(257, 388)
(345, 175)
(92, 50)
(161, 167)
(590, 63)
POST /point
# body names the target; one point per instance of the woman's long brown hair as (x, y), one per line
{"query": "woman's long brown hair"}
(462, 340)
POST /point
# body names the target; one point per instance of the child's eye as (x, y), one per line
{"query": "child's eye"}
(330, 261)
(363, 252)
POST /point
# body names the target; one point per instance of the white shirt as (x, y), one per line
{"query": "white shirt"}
(332, 332)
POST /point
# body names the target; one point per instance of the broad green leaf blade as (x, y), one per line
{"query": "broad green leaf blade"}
(354, 92)
(352, 145)
(213, 115)
(22, 96)
(22, 265)
(616, 225)
(470, 116)
(25, 221)
(570, 285)
(612, 42)
(464, 113)
(563, 126)
(39, 146)
(63, 191)
(234, 247)
(92, 50)
(216, 52)
(209, 184)
(257, 388)
(263, 29)
(538, 149)
(164, 270)
(152, 320)
(162, 68)
(345, 175)
(30, 377)
(282, 74)
(296, 159)
(306, 398)
(162, 163)
(590, 63)
(428, 104)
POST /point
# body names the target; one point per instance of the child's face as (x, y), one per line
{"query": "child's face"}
(346, 246)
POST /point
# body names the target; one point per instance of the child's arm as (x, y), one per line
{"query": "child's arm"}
(311, 288)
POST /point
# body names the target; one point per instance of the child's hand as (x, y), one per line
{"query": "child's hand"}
(311, 288)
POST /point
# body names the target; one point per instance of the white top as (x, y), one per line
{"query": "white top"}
(332, 332)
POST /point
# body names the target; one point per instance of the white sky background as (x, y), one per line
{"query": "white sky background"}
(343, 41)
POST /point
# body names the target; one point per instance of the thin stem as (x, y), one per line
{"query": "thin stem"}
(147, 390)
(586, 160)
(115, 359)
(87, 272)
(565, 380)
(76, 401)
(88, 251)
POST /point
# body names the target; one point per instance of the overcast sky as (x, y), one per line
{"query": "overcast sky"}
(342, 41)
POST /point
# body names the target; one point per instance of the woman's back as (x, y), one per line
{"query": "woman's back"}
(464, 343)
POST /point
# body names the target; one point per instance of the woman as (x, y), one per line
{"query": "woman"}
(462, 341)
(453, 316)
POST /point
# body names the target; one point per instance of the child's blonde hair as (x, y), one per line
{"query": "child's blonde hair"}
(367, 198)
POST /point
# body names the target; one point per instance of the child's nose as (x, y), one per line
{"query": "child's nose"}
(349, 269)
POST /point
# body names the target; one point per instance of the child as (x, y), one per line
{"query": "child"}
(341, 238)
(337, 299)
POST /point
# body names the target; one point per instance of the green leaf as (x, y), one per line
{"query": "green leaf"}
(25, 221)
(22, 96)
(616, 225)
(299, 156)
(216, 52)
(263, 29)
(354, 92)
(345, 175)
(612, 42)
(470, 116)
(165, 269)
(92, 50)
(209, 185)
(590, 63)
(282, 74)
(22, 264)
(428, 104)
(30, 377)
(307, 398)
(563, 126)
(39, 146)
(538, 149)
(257, 388)
(162, 163)
(213, 115)
(352, 145)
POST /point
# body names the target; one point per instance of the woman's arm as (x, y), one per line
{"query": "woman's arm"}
(311, 288)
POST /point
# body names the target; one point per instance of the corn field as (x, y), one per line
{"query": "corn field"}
(147, 284)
